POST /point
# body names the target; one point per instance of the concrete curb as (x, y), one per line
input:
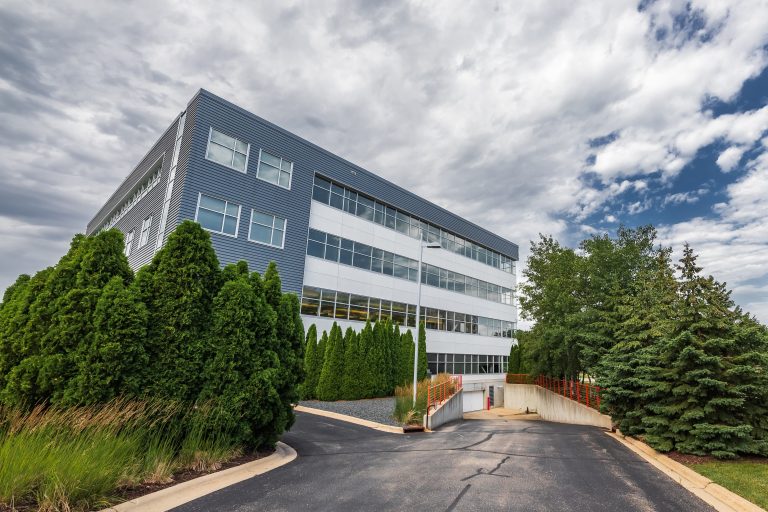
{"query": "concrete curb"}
(184, 492)
(715, 495)
(350, 419)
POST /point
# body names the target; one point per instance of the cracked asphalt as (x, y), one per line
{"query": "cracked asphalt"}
(470, 465)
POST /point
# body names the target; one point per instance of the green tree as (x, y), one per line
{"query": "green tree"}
(290, 338)
(273, 288)
(311, 372)
(115, 362)
(628, 371)
(422, 352)
(367, 374)
(351, 389)
(322, 346)
(705, 409)
(405, 364)
(331, 378)
(180, 284)
(242, 376)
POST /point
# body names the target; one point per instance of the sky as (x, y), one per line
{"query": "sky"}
(562, 118)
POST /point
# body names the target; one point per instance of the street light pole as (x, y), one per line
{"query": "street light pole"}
(422, 245)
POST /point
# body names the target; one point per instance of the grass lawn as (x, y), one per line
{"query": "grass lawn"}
(748, 479)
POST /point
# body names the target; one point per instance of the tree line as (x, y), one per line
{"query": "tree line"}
(680, 364)
(365, 364)
(88, 330)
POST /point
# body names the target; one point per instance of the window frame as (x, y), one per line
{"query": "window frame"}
(128, 245)
(239, 213)
(279, 170)
(146, 227)
(247, 151)
(274, 218)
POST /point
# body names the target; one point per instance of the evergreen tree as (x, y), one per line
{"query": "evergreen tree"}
(290, 338)
(273, 288)
(309, 389)
(422, 352)
(378, 359)
(514, 359)
(629, 372)
(367, 374)
(115, 362)
(705, 409)
(180, 285)
(352, 366)
(322, 345)
(406, 358)
(331, 378)
(242, 375)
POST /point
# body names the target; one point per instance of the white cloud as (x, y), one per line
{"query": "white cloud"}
(729, 158)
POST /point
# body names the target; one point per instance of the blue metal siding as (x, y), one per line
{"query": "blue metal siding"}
(151, 204)
(204, 176)
(317, 159)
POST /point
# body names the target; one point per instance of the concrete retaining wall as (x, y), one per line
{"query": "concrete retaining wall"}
(551, 406)
(450, 410)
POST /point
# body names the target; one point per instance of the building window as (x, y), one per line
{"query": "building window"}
(218, 215)
(145, 226)
(357, 204)
(129, 242)
(226, 150)
(274, 169)
(267, 229)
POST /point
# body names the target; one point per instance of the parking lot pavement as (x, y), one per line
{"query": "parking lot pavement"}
(470, 465)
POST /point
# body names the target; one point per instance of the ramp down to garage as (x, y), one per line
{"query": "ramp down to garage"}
(551, 406)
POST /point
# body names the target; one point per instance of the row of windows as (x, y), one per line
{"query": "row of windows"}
(223, 217)
(136, 195)
(146, 224)
(442, 320)
(233, 153)
(349, 306)
(466, 363)
(348, 252)
(455, 282)
(364, 207)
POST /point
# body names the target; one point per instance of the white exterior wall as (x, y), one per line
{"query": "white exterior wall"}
(326, 274)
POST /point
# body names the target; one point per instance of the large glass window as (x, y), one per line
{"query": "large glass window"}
(357, 204)
(218, 215)
(227, 150)
(267, 229)
(274, 169)
(145, 227)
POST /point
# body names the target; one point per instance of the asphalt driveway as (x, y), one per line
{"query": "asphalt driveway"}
(472, 465)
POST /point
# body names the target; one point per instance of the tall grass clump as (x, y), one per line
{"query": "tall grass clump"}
(78, 458)
(405, 411)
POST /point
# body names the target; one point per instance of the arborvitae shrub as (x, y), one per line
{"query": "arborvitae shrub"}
(309, 387)
(331, 378)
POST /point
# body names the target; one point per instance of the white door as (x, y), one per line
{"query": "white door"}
(473, 400)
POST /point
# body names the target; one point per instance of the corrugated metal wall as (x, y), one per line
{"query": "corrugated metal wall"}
(197, 175)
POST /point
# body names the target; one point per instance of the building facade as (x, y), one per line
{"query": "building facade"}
(345, 240)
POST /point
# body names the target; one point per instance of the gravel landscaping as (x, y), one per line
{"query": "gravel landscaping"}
(374, 409)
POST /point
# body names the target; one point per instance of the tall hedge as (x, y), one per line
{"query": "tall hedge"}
(332, 376)
(182, 281)
(311, 375)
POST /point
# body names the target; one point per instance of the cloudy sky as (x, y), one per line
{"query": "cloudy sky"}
(566, 118)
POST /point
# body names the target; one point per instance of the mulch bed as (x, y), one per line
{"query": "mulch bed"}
(132, 492)
(686, 459)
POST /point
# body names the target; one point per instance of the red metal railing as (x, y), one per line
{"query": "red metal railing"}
(441, 392)
(583, 393)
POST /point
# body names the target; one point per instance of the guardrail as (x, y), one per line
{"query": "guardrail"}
(441, 392)
(583, 393)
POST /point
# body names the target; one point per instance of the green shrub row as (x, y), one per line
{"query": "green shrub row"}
(365, 364)
(182, 329)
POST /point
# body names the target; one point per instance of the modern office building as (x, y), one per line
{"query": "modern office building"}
(346, 241)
